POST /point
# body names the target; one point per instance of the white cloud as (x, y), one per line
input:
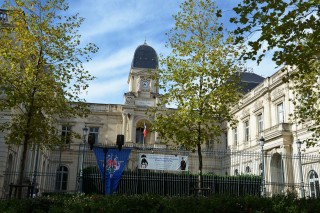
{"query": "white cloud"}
(109, 65)
(107, 91)
(107, 17)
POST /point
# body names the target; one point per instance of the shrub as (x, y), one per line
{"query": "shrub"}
(81, 203)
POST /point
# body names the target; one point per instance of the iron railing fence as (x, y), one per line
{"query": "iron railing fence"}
(220, 167)
(45, 182)
(173, 184)
(170, 184)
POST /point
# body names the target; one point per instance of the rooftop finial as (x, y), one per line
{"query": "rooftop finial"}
(145, 40)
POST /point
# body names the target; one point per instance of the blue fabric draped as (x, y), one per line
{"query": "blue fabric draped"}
(115, 163)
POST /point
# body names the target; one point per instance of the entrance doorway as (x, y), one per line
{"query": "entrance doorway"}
(277, 174)
(142, 126)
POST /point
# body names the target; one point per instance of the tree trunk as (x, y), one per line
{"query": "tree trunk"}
(22, 165)
(25, 143)
(200, 178)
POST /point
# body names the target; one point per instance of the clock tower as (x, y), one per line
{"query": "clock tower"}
(143, 93)
(143, 90)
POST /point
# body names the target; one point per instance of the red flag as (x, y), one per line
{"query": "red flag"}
(145, 130)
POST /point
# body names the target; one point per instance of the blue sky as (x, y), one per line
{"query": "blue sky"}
(118, 27)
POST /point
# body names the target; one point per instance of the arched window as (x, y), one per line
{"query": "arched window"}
(277, 174)
(236, 172)
(61, 178)
(314, 184)
(139, 135)
(248, 170)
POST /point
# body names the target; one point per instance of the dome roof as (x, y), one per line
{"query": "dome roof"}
(249, 80)
(251, 77)
(145, 57)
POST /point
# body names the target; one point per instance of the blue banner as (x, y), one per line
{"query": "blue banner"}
(113, 162)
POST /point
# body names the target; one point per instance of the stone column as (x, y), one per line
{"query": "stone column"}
(156, 137)
(287, 164)
(131, 129)
(124, 125)
(267, 112)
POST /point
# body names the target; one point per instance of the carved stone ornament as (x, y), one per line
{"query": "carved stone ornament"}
(129, 100)
(277, 93)
(94, 119)
(258, 105)
(245, 113)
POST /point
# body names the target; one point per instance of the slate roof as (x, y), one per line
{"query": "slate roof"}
(249, 80)
(251, 77)
(145, 57)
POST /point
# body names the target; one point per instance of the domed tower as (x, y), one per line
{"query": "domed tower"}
(143, 93)
(142, 88)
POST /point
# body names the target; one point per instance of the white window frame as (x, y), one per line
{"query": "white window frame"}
(246, 131)
(209, 144)
(66, 134)
(314, 184)
(260, 123)
(62, 176)
(94, 131)
(235, 136)
(280, 112)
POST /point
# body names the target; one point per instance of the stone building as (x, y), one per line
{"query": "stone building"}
(262, 112)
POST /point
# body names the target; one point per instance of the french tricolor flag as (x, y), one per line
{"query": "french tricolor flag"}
(145, 130)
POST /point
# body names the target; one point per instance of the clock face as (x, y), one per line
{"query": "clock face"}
(145, 84)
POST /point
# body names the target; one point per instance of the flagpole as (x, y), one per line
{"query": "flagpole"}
(144, 133)
(143, 142)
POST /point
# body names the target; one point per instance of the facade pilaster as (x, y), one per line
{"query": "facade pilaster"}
(287, 163)
(124, 124)
(131, 128)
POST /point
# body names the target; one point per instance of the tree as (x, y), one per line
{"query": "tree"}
(41, 72)
(198, 77)
(290, 30)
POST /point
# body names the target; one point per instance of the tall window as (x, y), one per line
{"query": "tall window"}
(236, 172)
(65, 134)
(248, 170)
(209, 143)
(235, 136)
(226, 134)
(61, 178)
(246, 131)
(93, 137)
(260, 124)
(139, 135)
(280, 112)
(314, 184)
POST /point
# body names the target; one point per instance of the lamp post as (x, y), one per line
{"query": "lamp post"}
(84, 136)
(263, 181)
(301, 174)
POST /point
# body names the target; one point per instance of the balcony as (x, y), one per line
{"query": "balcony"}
(279, 130)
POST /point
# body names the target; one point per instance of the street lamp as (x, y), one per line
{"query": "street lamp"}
(84, 136)
(263, 182)
(301, 174)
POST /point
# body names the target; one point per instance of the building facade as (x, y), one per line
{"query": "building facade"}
(263, 112)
